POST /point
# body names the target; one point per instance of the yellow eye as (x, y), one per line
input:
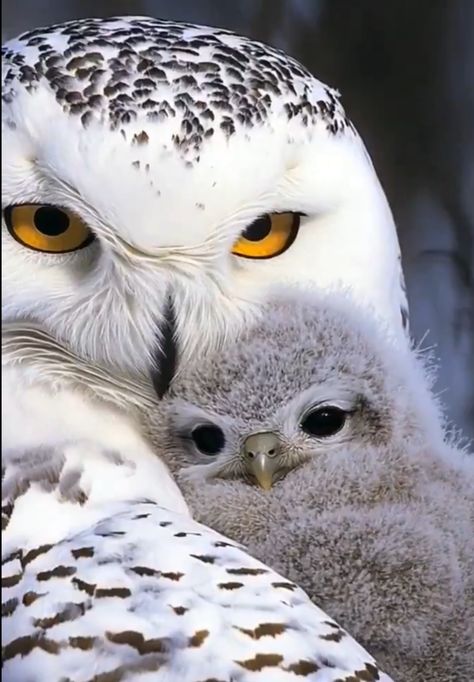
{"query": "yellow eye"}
(47, 228)
(268, 236)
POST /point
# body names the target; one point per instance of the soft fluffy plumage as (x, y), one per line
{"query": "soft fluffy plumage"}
(378, 525)
(382, 538)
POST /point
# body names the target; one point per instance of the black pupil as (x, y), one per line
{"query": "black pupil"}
(51, 221)
(259, 229)
(324, 422)
(208, 439)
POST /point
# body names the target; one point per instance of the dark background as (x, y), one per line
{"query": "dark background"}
(406, 72)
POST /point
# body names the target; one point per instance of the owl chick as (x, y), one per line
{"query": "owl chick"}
(318, 444)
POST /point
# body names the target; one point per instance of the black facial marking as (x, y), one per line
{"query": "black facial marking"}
(166, 358)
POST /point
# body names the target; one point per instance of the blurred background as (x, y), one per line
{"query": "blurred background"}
(406, 73)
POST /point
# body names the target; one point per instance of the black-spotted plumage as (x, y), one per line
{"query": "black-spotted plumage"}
(116, 69)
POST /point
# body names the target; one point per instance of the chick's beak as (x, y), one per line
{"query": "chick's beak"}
(261, 456)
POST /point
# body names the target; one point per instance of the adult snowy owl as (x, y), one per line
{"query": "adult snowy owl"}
(157, 179)
(158, 176)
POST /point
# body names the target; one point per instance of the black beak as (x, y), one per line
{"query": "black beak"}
(166, 356)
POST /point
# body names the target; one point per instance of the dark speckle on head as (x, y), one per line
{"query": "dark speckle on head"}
(118, 70)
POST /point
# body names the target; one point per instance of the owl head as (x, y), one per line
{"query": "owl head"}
(159, 178)
(313, 377)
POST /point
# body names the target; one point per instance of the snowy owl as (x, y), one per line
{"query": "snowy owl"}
(317, 443)
(158, 179)
(159, 176)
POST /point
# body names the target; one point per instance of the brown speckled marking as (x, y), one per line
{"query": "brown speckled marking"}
(285, 585)
(22, 646)
(222, 543)
(30, 597)
(150, 663)
(145, 571)
(88, 588)
(120, 592)
(141, 138)
(264, 630)
(12, 556)
(33, 553)
(7, 511)
(230, 586)
(69, 613)
(137, 641)
(57, 572)
(368, 674)
(172, 575)
(83, 643)
(205, 558)
(83, 552)
(179, 610)
(11, 580)
(198, 638)
(333, 636)
(247, 571)
(9, 607)
(303, 668)
(261, 661)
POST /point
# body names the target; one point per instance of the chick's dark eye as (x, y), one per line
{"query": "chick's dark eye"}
(324, 421)
(208, 439)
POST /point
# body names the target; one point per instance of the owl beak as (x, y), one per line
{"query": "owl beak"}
(261, 456)
(165, 360)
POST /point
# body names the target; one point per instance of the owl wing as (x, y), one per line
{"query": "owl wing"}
(151, 594)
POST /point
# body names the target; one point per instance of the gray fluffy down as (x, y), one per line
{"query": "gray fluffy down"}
(381, 540)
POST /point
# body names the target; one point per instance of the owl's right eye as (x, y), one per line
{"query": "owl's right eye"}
(324, 421)
(208, 438)
(47, 228)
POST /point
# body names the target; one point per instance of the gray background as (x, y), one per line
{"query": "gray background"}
(406, 73)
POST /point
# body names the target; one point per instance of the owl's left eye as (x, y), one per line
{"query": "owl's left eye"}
(47, 228)
(268, 236)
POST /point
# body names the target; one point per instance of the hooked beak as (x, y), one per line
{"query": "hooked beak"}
(261, 456)
(166, 357)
